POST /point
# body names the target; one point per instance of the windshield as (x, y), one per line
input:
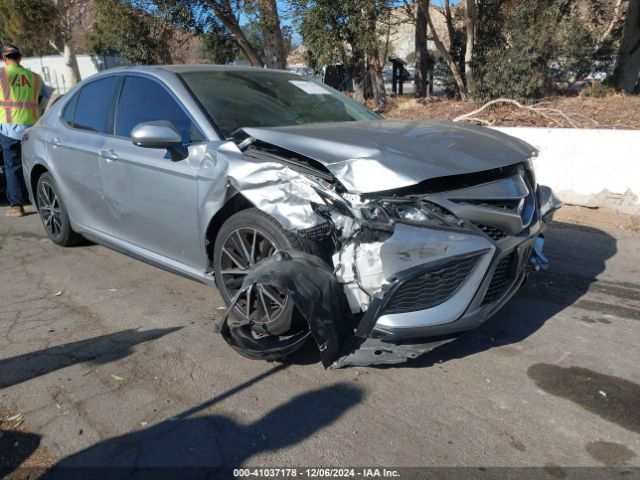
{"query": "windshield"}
(256, 98)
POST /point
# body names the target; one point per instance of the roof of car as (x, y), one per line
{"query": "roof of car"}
(194, 68)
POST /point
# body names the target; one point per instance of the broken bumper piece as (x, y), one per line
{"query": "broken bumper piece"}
(361, 352)
(316, 294)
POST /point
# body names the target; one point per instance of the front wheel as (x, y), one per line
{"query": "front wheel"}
(268, 321)
(53, 212)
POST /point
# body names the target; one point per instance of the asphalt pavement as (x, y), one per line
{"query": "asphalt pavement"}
(115, 362)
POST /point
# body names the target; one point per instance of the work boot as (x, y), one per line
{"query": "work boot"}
(16, 211)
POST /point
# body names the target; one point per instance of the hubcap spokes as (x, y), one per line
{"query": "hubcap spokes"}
(243, 248)
(49, 207)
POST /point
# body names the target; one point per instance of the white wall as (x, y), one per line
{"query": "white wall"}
(593, 168)
(52, 68)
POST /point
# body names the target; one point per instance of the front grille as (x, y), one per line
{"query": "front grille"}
(494, 232)
(507, 205)
(430, 289)
(500, 281)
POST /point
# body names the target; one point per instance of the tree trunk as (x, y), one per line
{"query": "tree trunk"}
(274, 52)
(224, 12)
(374, 66)
(422, 54)
(449, 21)
(627, 69)
(357, 72)
(71, 62)
(67, 49)
(618, 11)
(470, 23)
(462, 89)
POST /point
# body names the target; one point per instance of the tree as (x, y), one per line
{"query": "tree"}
(440, 46)
(627, 68)
(218, 45)
(121, 29)
(422, 53)
(274, 50)
(346, 33)
(470, 25)
(42, 26)
(227, 13)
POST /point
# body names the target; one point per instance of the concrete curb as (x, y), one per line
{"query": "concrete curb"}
(587, 167)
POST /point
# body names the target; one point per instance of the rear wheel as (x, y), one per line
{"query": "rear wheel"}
(267, 316)
(53, 212)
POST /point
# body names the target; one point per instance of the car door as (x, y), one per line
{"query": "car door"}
(151, 198)
(74, 147)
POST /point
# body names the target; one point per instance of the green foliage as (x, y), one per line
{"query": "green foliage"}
(334, 32)
(526, 49)
(30, 24)
(218, 45)
(121, 29)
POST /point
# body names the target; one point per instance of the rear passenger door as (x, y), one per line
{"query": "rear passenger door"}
(74, 147)
(151, 198)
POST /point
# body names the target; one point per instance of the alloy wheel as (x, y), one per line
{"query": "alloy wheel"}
(50, 211)
(261, 305)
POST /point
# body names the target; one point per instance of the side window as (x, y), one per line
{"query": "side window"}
(94, 105)
(143, 100)
(69, 110)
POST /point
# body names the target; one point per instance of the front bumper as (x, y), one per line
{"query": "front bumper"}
(481, 274)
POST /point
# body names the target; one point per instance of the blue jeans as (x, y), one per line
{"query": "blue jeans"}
(16, 188)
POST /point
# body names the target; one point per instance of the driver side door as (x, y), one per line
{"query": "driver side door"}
(151, 199)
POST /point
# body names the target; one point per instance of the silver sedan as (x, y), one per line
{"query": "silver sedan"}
(315, 217)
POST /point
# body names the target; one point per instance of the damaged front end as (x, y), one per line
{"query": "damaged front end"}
(394, 273)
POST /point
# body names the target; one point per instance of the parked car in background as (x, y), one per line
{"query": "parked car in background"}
(314, 216)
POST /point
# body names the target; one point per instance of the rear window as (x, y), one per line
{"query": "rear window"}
(69, 110)
(95, 104)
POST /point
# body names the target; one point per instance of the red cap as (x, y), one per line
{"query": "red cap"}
(9, 49)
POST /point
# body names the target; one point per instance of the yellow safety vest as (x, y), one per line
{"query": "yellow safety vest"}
(21, 89)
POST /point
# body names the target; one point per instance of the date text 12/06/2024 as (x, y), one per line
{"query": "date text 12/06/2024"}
(315, 473)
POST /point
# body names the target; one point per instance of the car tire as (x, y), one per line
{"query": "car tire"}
(273, 340)
(53, 213)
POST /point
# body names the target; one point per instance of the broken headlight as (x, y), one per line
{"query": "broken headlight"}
(389, 212)
(375, 213)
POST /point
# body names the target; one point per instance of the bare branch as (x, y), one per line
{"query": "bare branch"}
(617, 17)
(545, 112)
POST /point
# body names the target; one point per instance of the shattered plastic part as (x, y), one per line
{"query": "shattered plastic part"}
(372, 351)
(548, 201)
(316, 294)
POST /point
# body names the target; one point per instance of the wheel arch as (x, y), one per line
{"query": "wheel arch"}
(36, 172)
(236, 204)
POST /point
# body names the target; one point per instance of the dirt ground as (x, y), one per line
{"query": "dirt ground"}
(114, 363)
(20, 448)
(613, 111)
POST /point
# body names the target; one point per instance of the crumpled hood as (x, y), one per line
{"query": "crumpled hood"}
(381, 155)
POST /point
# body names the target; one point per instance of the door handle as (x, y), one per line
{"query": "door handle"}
(55, 142)
(108, 155)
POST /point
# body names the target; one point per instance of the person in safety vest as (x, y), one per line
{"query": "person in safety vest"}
(20, 96)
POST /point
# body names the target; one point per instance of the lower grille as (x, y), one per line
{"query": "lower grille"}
(494, 233)
(431, 288)
(317, 233)
(500, 281)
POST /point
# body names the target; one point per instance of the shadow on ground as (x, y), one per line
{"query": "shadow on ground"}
(192, 445)
(15, 448)
(577, 256)
(97, 350)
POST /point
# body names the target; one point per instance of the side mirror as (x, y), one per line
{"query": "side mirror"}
(158, 134)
